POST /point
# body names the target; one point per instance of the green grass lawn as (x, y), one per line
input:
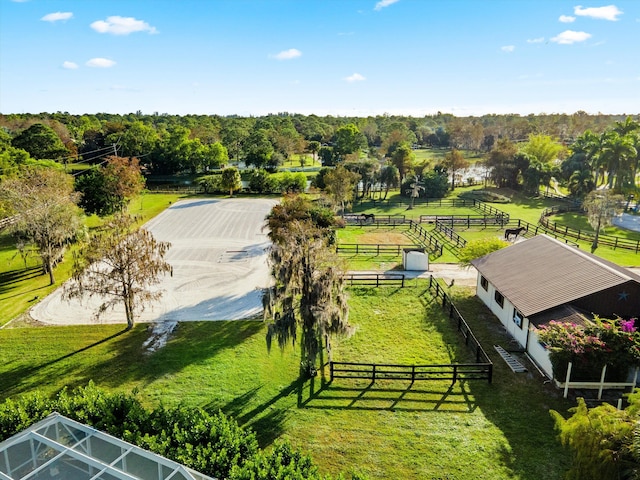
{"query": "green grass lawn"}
(468, 431)
(387, 430)
(21, 286)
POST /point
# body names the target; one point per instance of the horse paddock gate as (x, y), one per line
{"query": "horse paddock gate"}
(377, 371)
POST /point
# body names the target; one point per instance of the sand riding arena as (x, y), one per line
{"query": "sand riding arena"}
(219, 258)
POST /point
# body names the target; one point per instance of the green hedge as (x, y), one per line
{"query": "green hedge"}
(210, 443)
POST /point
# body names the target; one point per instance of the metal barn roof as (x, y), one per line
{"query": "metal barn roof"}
(63, 449)
(542, 273)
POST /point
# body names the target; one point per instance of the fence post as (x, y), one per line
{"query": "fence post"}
(373, 373)
(330, 371)
(490, 372)
(413, 373)
(604, 372)
(455, 373)
(566, 380)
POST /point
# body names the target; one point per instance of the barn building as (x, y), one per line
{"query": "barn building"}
(541, 279)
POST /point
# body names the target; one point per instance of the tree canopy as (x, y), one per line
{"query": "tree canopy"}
(41, 142)
(120, 263)
(308, 292)
(45, 205)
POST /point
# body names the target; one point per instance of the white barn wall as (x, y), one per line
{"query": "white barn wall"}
(504, 313)
(538, 353)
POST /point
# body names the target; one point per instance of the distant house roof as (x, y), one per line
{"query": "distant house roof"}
(542, 273)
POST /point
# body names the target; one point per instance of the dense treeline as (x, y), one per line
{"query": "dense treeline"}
(172, 144)
(520, 152)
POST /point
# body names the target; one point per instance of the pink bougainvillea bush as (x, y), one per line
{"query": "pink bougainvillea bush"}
(615, 343)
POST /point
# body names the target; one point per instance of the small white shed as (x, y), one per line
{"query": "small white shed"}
(415, 259)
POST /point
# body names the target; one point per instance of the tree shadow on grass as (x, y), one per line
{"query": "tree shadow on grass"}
(10, 278)
(192, 342)
(14, 381)
(266, 419)
(432, 396)
(120, 358)
(517, 404)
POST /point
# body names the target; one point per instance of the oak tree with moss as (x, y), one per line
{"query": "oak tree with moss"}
(44, 204)
(120, 263)
(308, 292)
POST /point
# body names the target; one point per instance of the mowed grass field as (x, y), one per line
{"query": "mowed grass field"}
(467, 430)
(470, 430)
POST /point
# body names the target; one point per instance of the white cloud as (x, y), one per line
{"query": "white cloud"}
(536, 40)
(19, 1)
(508, 48)
(100, 63)
(610, 12)
(569, 36)
(117, 25)
(54, 17)
(384, 3)
(69, 65)
(356, 77)
(567, 19)
(287, 54)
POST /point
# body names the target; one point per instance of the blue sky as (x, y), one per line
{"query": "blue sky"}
(327, 57)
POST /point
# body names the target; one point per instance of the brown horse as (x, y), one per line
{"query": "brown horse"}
(364, 217)
(514, 231)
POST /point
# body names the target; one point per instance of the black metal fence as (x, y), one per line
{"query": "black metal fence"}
(430, 242)
(374, 221)
(589, 236)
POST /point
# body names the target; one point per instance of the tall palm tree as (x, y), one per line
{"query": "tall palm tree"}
(581, 183)
(628, 126)
(590, 145)
(389, 177)
(618, 152)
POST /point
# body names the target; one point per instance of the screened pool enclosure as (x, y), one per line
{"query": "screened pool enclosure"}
(63, 449)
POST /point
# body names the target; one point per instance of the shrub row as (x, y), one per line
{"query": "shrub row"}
(260, 181)
(210, 443)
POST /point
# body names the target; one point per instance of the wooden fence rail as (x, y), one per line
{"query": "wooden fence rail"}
(377, 221)
(419, 202)
(375, 279)
(449, 232)
(386, 371)
(430, 242)
(8, 221)
(577, 234)
(470, 339)
(467, 220)
(373, 249)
